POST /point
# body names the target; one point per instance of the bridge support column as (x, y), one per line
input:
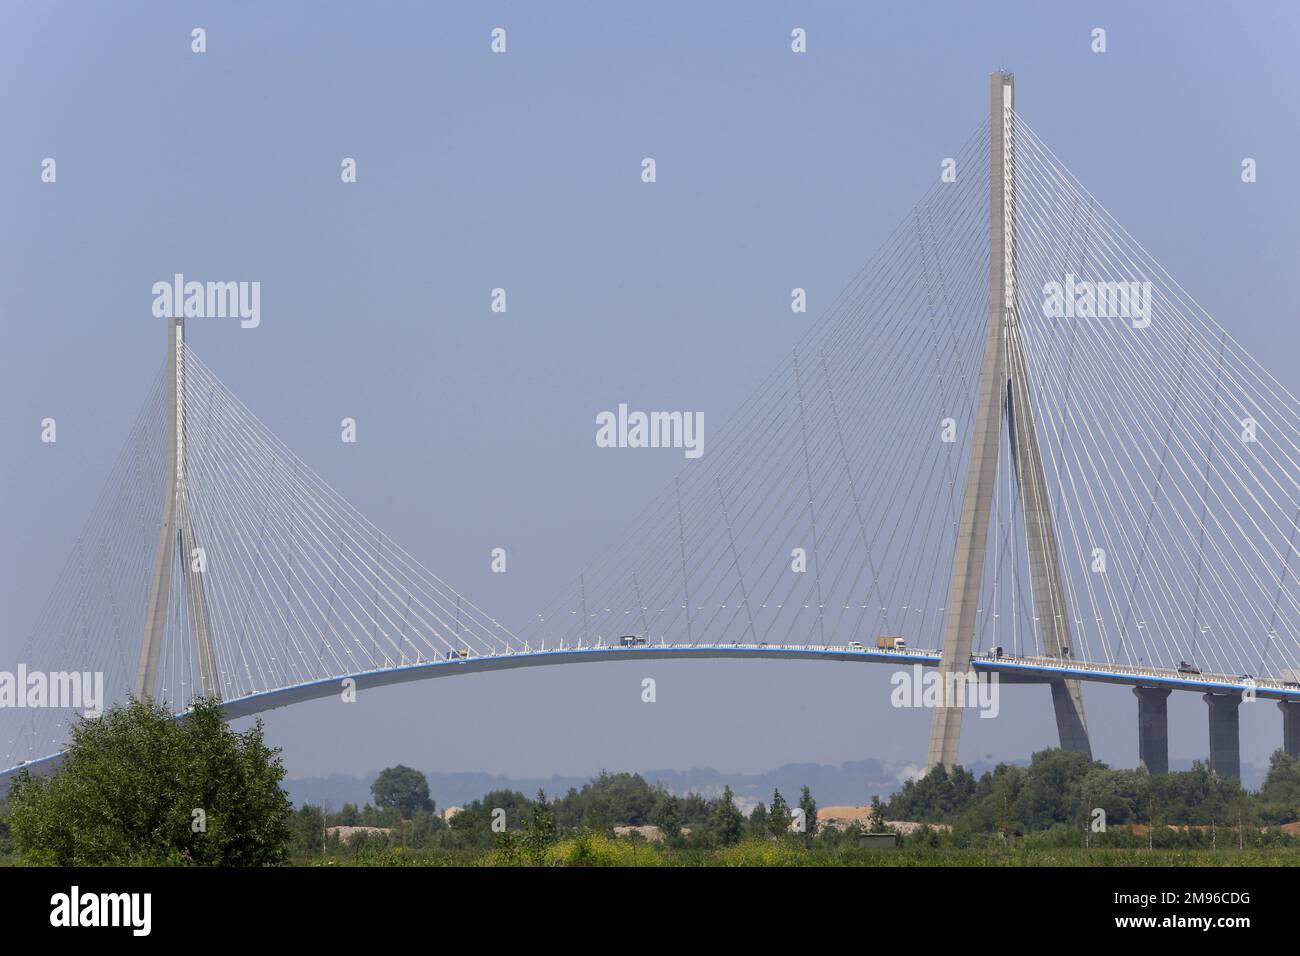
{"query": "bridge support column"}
(1225, 734)
(1290, 726)
(1153, 728)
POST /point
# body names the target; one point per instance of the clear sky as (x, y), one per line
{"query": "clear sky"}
(522, 171)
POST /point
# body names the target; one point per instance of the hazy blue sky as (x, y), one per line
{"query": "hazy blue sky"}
(522, 171)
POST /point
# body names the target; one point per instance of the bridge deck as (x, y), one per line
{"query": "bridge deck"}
(1017, 668)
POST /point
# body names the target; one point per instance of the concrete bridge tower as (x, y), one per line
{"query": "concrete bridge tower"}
(1004, 397)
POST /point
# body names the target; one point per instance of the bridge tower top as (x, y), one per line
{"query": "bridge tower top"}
(176, 542)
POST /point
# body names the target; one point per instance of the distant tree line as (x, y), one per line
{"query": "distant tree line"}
(1060, 787)
(1056, 797)
(505, 817)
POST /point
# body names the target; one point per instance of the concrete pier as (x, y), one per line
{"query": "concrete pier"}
(1225, 734)
(1290, 726)
(1153, 728)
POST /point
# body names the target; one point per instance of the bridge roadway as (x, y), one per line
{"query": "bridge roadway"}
(1009, 669)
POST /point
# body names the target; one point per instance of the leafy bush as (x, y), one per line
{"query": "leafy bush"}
(138, 786)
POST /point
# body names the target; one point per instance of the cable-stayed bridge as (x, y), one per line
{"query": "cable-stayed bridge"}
(1013, 445)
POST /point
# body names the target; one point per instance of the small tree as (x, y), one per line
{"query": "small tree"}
(308, 827)
(878, 824)
(779, 817)
(809, 807)
(727, 822)
(540, 832)
(403, 789)
(667, 816)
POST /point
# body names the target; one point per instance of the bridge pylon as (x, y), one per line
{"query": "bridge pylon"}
(1003, 396)
(176, 542)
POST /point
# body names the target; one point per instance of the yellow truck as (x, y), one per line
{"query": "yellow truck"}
(891, 642)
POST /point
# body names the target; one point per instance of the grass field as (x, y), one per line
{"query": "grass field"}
(602, 851)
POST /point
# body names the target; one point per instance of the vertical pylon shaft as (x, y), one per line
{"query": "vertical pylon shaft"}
(1004, 389)
(176, 541)
(981, 471)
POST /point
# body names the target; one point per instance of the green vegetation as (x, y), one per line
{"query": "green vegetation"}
(1060, 788)
(139, 787)
(1016, 816)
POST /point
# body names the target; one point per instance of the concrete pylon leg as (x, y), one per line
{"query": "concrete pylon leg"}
(155, 624)
(1290, 726)
(1153, 728)
(1040, 543)
(1071, 726)
(198, 601)
(1225, 734)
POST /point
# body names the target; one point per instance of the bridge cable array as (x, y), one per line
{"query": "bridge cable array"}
(824, 512)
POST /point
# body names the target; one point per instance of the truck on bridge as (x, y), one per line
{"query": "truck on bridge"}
(890, 642)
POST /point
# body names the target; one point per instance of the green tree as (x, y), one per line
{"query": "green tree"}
(934, 797)
(540, 831)
(307, 824)
(1279, 798)
(778, 817)
(138, 786)
(727, 823)
(695, 811)
(758, 820)
(609, 800)
(878, 824)
(476, 817)
(379, 816)
(403, 789)
(421, 829)
(809, 807)
(667, 816)
(1053, 790)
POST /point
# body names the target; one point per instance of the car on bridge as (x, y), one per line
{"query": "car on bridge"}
(631, 640)
(1186, 668)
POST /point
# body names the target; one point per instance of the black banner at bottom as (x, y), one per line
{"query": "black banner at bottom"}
(304, 905)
